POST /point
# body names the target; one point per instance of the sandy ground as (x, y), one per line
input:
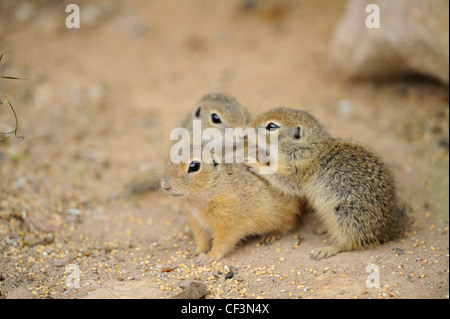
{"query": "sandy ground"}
(96, 111)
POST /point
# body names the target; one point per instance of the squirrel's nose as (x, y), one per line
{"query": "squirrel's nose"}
(165, 184)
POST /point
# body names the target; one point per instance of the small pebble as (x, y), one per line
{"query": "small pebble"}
(398, 251)
(229, 275)
(73, 211)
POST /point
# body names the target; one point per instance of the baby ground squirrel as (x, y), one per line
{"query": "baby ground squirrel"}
(349, 187)
(226, 203)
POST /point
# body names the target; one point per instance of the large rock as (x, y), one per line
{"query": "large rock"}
(413, 38)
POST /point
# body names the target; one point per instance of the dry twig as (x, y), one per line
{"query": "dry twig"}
(10, 133)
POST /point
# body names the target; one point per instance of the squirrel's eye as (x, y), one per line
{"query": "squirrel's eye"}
(194, 166)
(271, 126)
(215, 118)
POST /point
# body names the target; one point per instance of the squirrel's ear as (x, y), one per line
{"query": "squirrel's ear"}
(299, 133)
(197, 113)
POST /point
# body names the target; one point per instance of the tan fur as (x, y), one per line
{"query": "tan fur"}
(349, 187)
(226, 203)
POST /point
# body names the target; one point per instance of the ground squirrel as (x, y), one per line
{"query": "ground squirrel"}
(349, 187)
(226, 203)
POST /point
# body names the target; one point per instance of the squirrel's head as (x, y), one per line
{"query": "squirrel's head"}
(299, 134)
(218, 110)
(193, 176)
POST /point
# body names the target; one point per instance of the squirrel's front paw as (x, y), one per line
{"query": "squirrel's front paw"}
(271, 238)
(205, 258)
(324, 252)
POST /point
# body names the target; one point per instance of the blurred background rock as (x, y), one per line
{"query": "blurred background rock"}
(413, 40)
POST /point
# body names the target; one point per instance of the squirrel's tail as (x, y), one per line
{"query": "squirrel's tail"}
(403, 220)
